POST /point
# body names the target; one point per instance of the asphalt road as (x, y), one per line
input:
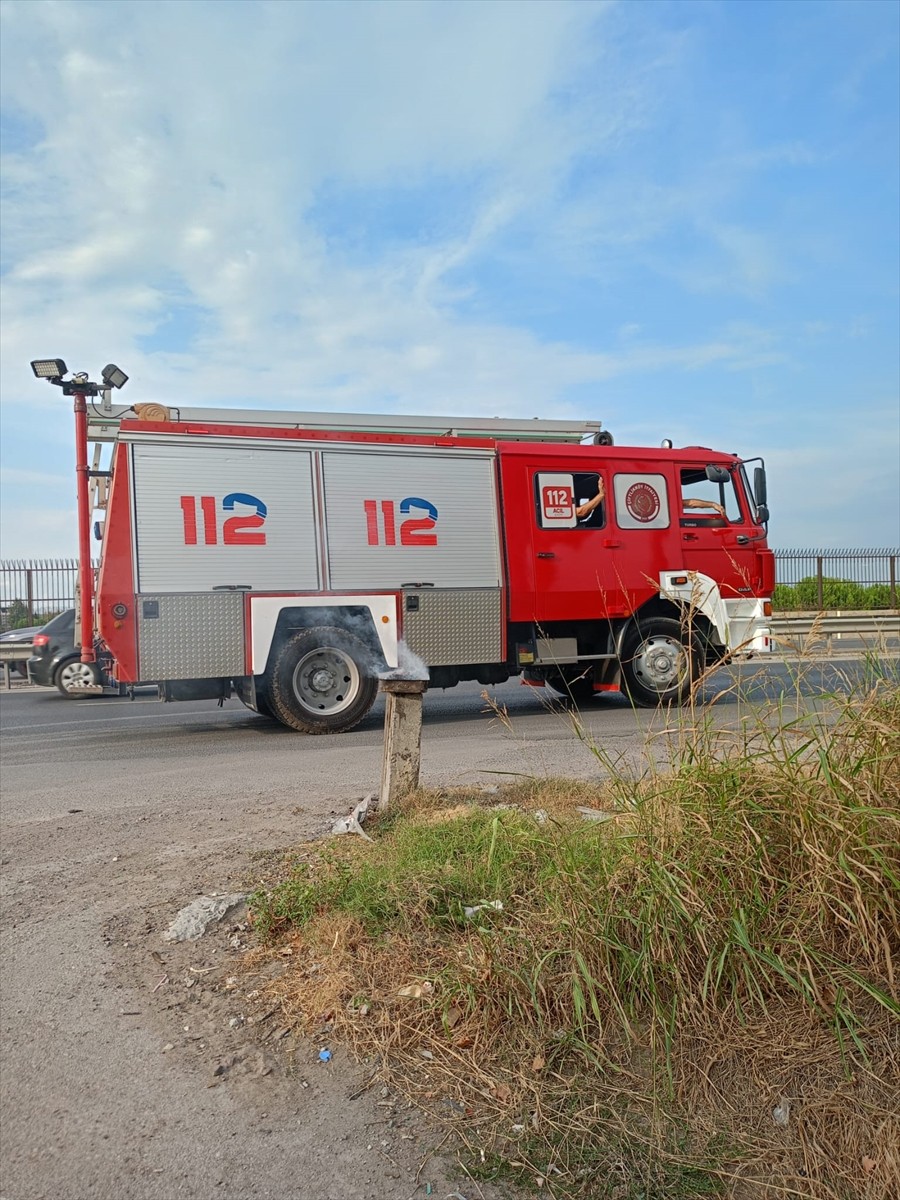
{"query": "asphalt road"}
(112, 752)
(115, 813)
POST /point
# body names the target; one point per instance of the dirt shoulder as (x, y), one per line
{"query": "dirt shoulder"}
(136, 1069)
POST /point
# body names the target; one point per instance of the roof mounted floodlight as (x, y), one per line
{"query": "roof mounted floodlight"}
(54, 371)
(114, 376)
(49, 368)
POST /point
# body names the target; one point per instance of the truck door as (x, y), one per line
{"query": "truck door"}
(717, 535)
(586, 568)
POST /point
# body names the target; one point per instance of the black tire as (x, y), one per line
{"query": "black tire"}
(573, 684)
(70, 672)
(263, 707)
(660, 662)
(322, 681)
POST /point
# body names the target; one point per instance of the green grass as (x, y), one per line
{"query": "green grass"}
(737, 911)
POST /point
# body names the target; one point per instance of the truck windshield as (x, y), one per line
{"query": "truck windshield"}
(703, 499)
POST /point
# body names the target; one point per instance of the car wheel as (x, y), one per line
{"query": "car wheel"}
(660, 662)
(72, 676)
(322, 681)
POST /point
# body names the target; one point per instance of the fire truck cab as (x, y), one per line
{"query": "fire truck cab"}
(669, 574)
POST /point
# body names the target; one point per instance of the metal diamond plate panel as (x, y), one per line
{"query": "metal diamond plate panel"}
(455, 626)
(199, 636)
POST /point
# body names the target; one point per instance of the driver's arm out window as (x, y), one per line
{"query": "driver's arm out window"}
(585, 487)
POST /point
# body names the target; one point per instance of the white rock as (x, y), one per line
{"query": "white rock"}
(192, 922)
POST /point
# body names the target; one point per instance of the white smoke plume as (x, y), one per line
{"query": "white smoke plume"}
(410, 666)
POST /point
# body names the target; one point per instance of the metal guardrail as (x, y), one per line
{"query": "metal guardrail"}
(807, 630)
(19, 652)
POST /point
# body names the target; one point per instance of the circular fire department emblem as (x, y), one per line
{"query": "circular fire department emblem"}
(642, 502)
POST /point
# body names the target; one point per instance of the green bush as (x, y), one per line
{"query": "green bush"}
(842, 594)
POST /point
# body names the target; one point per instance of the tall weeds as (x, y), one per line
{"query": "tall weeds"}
(721, 936)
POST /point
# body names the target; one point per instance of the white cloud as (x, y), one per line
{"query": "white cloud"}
(171, 164)
(205, 193)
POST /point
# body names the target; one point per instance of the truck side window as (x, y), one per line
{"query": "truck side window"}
(704, 502)
(585, 489)
(559, 494)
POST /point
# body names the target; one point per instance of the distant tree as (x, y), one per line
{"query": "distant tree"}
(18, 615)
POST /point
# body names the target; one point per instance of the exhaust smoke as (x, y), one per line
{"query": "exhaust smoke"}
(410, 666)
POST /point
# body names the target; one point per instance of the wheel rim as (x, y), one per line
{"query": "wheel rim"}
(325, 681)
(661, 663)
(76, 675)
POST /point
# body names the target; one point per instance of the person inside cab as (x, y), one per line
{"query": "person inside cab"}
(582, 511)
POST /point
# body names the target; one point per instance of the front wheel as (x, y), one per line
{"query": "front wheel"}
(72, 677)
(660, 662)
(322, 681)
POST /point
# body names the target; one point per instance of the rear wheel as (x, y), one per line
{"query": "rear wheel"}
(321, 681)
(573, 683)
(263, 707)
(73, 676)
(660, 662)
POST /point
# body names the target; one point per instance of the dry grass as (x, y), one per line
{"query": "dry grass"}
(726, 942)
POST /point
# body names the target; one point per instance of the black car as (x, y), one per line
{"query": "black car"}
(23, 638)
(56, 661)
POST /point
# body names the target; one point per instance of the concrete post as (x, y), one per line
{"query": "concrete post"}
(402, 738)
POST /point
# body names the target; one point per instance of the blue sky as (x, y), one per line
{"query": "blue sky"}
(678, 218)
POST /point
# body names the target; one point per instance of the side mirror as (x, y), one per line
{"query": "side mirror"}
(717, 474)
(762, 514)
(759, 487)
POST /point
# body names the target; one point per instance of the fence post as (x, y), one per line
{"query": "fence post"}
(893, 581)
(29, 591)
(820, 590)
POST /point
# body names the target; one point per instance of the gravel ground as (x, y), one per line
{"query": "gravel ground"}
(132, 1068)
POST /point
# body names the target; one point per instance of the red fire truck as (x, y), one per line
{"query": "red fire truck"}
(291, 559)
